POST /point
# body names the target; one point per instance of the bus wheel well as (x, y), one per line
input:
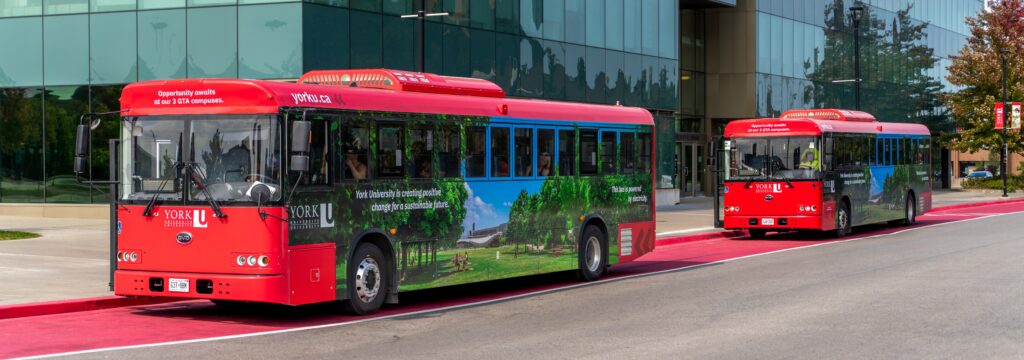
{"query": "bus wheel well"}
(596, 221)
(911, 195)
(846, 201)
(384, 244)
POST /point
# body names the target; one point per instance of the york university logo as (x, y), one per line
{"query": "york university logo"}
(768, 188)
(311, 216)
(185, 218)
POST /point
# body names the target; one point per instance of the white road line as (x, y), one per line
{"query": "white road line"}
(491, 301)
(684, 231)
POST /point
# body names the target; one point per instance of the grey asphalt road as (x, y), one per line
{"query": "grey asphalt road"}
(951, 291)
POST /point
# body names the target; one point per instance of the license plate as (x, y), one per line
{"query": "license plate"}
(177, 285)
(767, 221)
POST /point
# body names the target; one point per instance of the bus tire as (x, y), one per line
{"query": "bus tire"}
(842, 220)
(909, 211)
(593, 254)
(367, 280)
(757, 233)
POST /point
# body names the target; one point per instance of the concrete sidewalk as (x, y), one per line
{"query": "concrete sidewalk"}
(70, 259)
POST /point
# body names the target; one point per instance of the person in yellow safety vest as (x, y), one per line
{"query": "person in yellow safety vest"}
(809, 159)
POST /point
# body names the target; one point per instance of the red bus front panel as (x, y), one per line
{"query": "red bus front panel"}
(794, 205)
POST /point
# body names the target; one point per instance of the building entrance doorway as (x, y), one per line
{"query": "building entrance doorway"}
(690, 165)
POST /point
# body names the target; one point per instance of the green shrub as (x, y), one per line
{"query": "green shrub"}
(1013, 183)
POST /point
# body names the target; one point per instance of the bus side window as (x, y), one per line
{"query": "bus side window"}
(524, 152)
(448, 151)
(421, 145)
(390, 144)
(545, 152)
(476, 151)
(566, 152)
(643, 165)
(609, 160)
(588, 152)
(499, 152)
(319, 151)
(355, 145)
(627, 145)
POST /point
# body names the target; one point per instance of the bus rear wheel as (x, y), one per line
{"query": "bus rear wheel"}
(593, 254)
(842, 221)
(910, 211)
(367, 280)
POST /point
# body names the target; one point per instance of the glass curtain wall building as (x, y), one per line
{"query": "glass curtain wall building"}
(769, 56)
(62, 58)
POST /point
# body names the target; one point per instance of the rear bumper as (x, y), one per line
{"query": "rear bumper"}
(782, 222)
(256, 288)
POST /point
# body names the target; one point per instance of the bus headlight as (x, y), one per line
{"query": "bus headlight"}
(134, 256)
(120, 256)
(240, 260)
(814, 208)
(252, 260)
(264, 261)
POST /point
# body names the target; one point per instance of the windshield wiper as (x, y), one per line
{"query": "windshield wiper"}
(199, 180)
(152, 201)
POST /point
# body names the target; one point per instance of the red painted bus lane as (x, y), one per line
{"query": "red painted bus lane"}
(200, 320)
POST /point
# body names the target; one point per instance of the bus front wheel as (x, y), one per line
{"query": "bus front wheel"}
(592, 250)
(367, 280)
(757, 233)
(842, 220)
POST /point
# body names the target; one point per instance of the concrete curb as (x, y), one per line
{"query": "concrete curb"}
(75, 305)
(109, 302)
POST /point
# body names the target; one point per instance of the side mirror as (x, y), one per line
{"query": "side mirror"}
(299, 163)
(300, 137)
(82, 135)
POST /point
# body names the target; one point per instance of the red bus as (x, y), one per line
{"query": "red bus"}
(354, 185)
(824, 170)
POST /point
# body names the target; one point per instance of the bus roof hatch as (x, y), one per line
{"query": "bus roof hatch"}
(828, 114)
(403, 81)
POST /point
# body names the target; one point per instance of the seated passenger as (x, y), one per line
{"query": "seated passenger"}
(356, 168)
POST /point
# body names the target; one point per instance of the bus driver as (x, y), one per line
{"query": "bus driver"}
(809, 159)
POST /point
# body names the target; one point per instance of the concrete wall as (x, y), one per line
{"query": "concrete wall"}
(69, 211)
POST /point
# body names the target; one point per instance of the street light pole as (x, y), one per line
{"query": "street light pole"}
(421, 16)
(1006, 147)
(856, 54)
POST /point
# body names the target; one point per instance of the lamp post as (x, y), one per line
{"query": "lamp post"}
(1006, 147)
(421, 16)
(857, 11)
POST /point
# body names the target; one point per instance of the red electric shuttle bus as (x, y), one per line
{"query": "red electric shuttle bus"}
(353, 185)
(824, 170)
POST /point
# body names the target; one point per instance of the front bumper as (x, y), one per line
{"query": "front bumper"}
(781, 222)
(256, 288)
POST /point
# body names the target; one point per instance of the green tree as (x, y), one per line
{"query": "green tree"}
(977, 71)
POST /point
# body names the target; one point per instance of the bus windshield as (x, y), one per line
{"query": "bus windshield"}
(230, 155)
(775, 158)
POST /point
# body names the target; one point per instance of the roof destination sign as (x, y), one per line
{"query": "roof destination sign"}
(187, 97)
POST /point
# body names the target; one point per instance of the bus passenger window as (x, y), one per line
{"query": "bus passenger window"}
(588, 151)
(476, 151)
(319, 153)
(448, 151)
(389, 150)
(421, 145)
(609, 160)
(355, 141)
(524, 152)
(566, 152)
(628, 150)
(545, 152)
(643, 165)
(499, 152)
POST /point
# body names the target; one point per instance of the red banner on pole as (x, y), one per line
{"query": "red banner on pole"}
(999, 116)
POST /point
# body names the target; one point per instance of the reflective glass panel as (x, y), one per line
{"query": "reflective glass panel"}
(24, 66)
(325, 37)
(367, 46)
(160, 4)
(113, 41)
(613, 17)
(631, 38)
(162, 44)
(554, 19)
(20, 7)
(649, 9)
(21, 172)
(66, 50)
(270, 41)
(212, 42)
(596, 26)
(576, 21)
(54, 7)
(111, 5)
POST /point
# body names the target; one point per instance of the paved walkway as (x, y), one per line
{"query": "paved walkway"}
(70, 259)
